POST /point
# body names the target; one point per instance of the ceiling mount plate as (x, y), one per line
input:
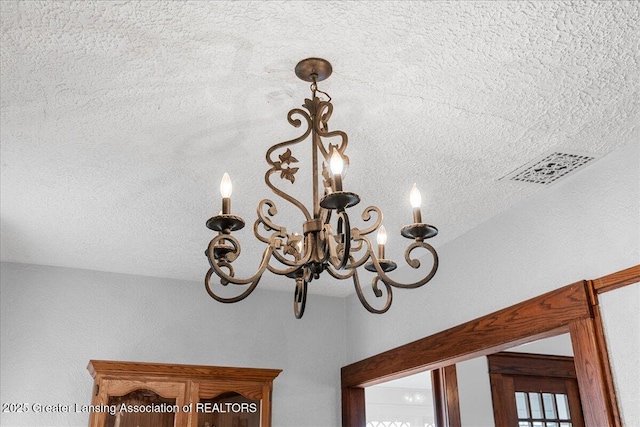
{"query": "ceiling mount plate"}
(310, 67)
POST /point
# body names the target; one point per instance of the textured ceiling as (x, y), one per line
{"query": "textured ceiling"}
(119, 118)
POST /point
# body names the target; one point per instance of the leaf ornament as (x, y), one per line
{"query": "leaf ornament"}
(287, 158)
(289, 174)
(291, 247)
(311, 105)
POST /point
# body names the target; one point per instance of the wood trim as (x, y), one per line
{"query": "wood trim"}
(252, 391)
(596, 287)
(508, 363)
(567, 309)
(601, 346)
(438, 389)
(167, 370)
(595, 397)
(445, 396)
(502, 385)
(353, 407)
(575, 408)
(267, 390)
(546, 315)
(617, 280)
(451, 392)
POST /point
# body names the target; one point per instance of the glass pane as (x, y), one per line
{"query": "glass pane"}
(228, 410)
(565, 424)
(524, 424)
(405, 402)
(131, 416)
(563, 407)
(549, 406)
(536, 406)
(552, 424)
(521, 404)
(538, 424)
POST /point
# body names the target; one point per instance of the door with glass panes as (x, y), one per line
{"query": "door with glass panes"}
(534, 391)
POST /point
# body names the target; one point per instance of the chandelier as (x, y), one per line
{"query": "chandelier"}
(328, 241)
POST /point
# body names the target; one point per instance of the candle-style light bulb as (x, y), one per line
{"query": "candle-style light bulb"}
(226, 189)
(336, 164)
(415, 197)
(382, 236)
(225, 186)
(416, 200)
(382, 240)
(299, 246)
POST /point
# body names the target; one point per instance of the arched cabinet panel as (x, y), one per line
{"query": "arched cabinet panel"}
(133, 394)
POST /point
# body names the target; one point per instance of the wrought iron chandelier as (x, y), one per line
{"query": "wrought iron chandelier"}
(329, 242)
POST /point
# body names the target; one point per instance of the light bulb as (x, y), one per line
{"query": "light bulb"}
(336, 163)
(415, 197)
(298, 243)
(382, 235)
(225, 186)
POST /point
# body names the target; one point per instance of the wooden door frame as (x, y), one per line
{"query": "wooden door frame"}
(573, 308)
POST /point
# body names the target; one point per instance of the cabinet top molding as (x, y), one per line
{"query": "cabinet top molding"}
(167, 370)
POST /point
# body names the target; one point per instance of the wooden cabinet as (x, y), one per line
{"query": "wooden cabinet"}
(133, 394)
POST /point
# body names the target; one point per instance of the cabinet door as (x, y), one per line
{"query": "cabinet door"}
(229, 409)
(231, 405)
(132, 403)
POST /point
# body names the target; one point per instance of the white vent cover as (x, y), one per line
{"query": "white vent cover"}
(550, 167)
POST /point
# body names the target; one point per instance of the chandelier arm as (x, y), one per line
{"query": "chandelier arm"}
(333, 273)
(256, 232)
(231, 254)
(295, 123)
(344, 233)
(294, 265)
(225, 264)
(376, 291)
(230, 278)
(366, 216)
(281, 259)
(285, 196)
(341, 148)
(359, 239)
(264, 219)
(321, 243)
(300, 297)
(356, 245)
(322, 115)
(276, 166)
(218, 298)
(414, 263)
(367, 255)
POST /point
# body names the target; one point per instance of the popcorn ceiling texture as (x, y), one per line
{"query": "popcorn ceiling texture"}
(118, 119)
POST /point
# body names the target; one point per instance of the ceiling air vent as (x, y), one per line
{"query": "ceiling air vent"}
(550, 167)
